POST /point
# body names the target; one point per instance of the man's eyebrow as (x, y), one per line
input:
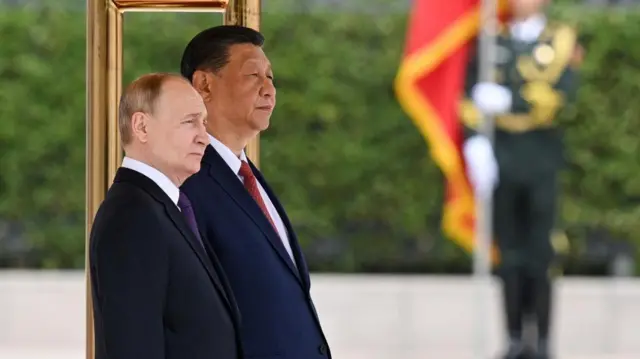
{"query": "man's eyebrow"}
(193, 115)
(251, 62)
(256, 62)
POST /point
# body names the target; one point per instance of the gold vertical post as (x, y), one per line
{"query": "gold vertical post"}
(96, 185)
(246, 13)
(104, 79)
(114, 88)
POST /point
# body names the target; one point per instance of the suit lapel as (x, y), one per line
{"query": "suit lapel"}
(223, 281)
(293, 239)
(220, 172)
(127, 175)
(181, 223)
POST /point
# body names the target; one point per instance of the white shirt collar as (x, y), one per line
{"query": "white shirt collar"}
(529, 30)
(156, 176)
(227, 155)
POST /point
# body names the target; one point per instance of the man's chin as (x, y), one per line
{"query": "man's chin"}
(261, 124)
(193, 166)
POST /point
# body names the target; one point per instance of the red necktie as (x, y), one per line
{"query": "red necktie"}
(251, 184)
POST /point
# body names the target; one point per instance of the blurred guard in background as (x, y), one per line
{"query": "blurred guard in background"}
(535, 77)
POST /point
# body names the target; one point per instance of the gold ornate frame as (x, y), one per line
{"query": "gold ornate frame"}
(104, 84)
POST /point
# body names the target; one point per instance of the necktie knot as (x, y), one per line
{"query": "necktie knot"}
(251, 185)
(245, 170)
(183, 201)
(187, 211)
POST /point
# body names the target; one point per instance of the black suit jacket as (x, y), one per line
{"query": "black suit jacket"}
(157, 293)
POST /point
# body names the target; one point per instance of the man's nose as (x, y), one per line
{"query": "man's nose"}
(268, 89)
(203, 137)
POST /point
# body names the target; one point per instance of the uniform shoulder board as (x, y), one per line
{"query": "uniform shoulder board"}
(563, 41)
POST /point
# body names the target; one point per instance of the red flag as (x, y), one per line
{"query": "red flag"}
(429, 87)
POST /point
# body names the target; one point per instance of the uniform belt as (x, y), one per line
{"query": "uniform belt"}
(521, 122)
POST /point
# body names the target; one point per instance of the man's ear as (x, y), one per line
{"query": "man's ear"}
(139, 126)
(202, 81)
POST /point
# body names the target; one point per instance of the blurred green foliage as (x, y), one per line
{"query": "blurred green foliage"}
(353, 172)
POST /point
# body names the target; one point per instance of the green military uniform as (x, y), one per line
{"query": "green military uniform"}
(529, 152)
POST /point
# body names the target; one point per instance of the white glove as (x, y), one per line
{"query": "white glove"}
(491, 99)
(482, 167)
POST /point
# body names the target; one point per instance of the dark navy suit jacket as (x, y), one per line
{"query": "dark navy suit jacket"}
(278, 317)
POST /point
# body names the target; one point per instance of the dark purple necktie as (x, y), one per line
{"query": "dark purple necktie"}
(187, 211)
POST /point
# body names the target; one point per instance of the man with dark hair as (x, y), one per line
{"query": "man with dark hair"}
(235, 207)
(158, 291)
(214, 55)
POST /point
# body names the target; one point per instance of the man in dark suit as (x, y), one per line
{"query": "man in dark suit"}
(236, 209)
(158, 292)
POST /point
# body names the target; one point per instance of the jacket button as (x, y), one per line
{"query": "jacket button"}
(322, 349)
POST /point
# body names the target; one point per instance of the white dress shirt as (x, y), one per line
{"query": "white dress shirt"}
(530, 29)
(156, 176)
(234, 163)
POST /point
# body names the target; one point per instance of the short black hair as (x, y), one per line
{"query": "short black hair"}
(210, 48)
